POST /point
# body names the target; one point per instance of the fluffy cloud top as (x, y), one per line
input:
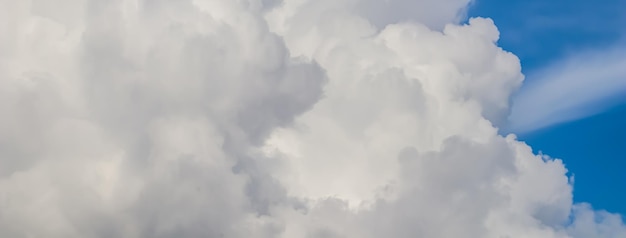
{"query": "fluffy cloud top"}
(294, 118)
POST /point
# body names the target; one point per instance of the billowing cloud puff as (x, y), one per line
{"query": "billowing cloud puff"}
(294, 118)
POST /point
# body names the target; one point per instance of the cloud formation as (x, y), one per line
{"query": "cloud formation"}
(258, 118)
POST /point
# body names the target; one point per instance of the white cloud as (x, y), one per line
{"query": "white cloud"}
(433, 13)
(266, 119)
(578, 86)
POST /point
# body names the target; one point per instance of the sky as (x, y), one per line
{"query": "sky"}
(545, 33)
(302, 119)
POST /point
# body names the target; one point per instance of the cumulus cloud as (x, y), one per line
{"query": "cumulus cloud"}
(257, 118)
(578, 86)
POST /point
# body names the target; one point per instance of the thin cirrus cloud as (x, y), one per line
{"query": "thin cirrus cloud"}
(578, 86)
(219, 118)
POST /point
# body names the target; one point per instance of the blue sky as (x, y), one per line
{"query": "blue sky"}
(590, 133)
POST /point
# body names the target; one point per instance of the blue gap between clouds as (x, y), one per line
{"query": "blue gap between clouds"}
(541, 32)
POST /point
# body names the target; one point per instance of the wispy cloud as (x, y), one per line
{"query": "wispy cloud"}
(578, 86)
